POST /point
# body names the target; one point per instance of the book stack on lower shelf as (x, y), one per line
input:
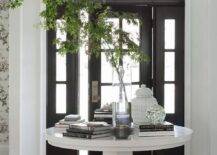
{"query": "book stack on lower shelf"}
(152, 130)
(89, 130)
(68, 120)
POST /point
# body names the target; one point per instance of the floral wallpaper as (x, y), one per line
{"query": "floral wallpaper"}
(4, 74)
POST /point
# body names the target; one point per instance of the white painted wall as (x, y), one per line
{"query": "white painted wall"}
(27, 81)
(213, 75)
(203, 14)
(4, 150)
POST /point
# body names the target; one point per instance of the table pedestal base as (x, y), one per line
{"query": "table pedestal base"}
(117, 153)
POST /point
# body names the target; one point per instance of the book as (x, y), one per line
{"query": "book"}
(102, 111)
(58, 125)
(91, 126)
(155, 129)
(102, 115)
(63, 121)
(72, 118)
(107, 120)
(87, 136)
(156, 133)
(88, 132)
(166, 126)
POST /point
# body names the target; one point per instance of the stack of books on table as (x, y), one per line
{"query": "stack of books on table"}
(68, 120)
(149, 130)
(103, 115)
(89, 130)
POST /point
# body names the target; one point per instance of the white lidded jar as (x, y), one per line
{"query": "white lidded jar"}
(142, 104)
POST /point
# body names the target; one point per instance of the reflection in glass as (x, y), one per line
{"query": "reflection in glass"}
(60, 67)
(169, 66)
(169, 34)
(169, 98)
(60, 98)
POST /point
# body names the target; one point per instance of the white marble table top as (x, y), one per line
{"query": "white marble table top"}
(133, 143)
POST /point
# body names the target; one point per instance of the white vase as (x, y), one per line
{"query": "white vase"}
(145, 109)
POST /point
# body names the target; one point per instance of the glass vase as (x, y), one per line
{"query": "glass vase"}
(121, 107)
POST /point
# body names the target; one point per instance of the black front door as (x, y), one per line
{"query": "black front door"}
(161, 37)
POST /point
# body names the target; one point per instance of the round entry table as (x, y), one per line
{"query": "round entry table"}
(111, 146)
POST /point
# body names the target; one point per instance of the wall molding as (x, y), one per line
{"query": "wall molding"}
(188, 70)
(27, 100)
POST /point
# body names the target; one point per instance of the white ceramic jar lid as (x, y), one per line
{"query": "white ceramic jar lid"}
(144, 92)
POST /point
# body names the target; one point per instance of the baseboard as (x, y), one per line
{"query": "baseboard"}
(4, 149)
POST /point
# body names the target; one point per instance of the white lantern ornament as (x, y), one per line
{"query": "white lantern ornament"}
(145, 108)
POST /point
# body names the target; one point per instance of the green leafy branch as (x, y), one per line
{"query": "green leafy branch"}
(97, 29)
(71, 12)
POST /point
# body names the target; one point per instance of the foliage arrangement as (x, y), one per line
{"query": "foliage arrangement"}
(97, 29)
(93, 31)
(71, 13)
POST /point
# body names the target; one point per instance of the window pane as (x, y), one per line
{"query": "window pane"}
(132, 70)
(60, 98)
(170, 34)
(115, 24)
(83, 77)
(61, 35)
(107, 72)
(169, 98)
(133, 30)
(109, 75)
(169, 66)
(108, 94)
(131, 90)
(60, 67)
(113, 92)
